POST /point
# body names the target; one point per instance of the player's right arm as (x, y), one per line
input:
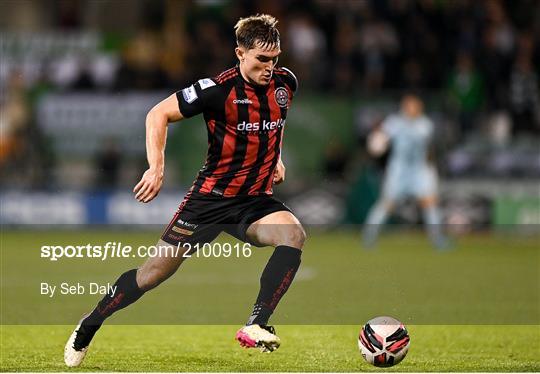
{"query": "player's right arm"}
(157, 120)
(185, 103)
(377, 141)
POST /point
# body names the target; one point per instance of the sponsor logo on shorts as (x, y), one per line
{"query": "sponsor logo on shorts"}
(172, 236)
(182, 231)
(187, 224)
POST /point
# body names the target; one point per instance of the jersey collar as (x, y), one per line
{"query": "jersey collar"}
(256, 87)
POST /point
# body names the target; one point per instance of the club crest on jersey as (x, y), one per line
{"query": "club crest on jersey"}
(282, 97)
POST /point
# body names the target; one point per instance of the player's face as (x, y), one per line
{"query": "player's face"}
(412, 106)
(257, 64)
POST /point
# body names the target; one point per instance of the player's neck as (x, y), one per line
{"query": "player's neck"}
(249, 81)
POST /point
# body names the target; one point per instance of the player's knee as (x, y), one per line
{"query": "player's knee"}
(387, 205)
(428, 201)
(293, 236)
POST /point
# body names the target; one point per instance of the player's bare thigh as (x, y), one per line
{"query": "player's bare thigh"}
(278, 228)
(157, 269)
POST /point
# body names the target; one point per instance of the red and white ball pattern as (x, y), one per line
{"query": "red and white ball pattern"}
(383, 341)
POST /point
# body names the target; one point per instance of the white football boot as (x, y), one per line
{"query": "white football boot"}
(73, 357)
(257, 336)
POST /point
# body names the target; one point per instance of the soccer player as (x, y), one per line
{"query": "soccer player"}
(245, 108)
(409, 172)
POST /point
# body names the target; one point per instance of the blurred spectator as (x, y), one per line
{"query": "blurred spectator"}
(174, 36)
(496, 55)
(345, 59)
(524, 96)
(495, 66)
(68, 13)
(208, 51)
(499, 127)
(24, 160)
(483, 56)
(365, 46)
(378, 41)
(306, 46)
(500, 28)
(14, 121)
(108, 164)
(335, 162)
(413, 75)
(465, 90)
(102, 70)
(140, 67)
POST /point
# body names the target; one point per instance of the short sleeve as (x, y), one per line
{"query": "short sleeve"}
(390, 126)
(290, 80)
(195, 99)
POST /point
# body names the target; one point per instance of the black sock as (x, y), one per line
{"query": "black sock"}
(275, 281)
(126, 292)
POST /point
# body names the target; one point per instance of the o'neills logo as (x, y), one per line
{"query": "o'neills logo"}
(242, 101)
(264, 126)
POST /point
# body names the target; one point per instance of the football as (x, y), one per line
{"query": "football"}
(383, 341)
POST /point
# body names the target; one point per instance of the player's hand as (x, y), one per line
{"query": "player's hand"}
(279, 173)
(377, 143)
(149, 185)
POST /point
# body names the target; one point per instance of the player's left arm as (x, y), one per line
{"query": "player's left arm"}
(279, 172)
(292, 82)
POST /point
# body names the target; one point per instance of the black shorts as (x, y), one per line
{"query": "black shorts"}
(201, 218)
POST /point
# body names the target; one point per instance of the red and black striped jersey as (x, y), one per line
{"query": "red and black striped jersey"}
(245, 124)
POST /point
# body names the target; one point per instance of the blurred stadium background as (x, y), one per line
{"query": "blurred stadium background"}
(77, 78)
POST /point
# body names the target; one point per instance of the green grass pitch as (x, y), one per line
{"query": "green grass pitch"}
(305, 348)
(472, 309)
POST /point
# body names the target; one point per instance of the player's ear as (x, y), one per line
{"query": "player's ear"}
(240, 53)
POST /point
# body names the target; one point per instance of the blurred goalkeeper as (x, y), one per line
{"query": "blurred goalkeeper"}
(245, 109)
(409, 172)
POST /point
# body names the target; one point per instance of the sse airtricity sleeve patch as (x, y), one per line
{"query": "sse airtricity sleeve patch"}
(205, 83)
(194, 99)
(189, 94)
